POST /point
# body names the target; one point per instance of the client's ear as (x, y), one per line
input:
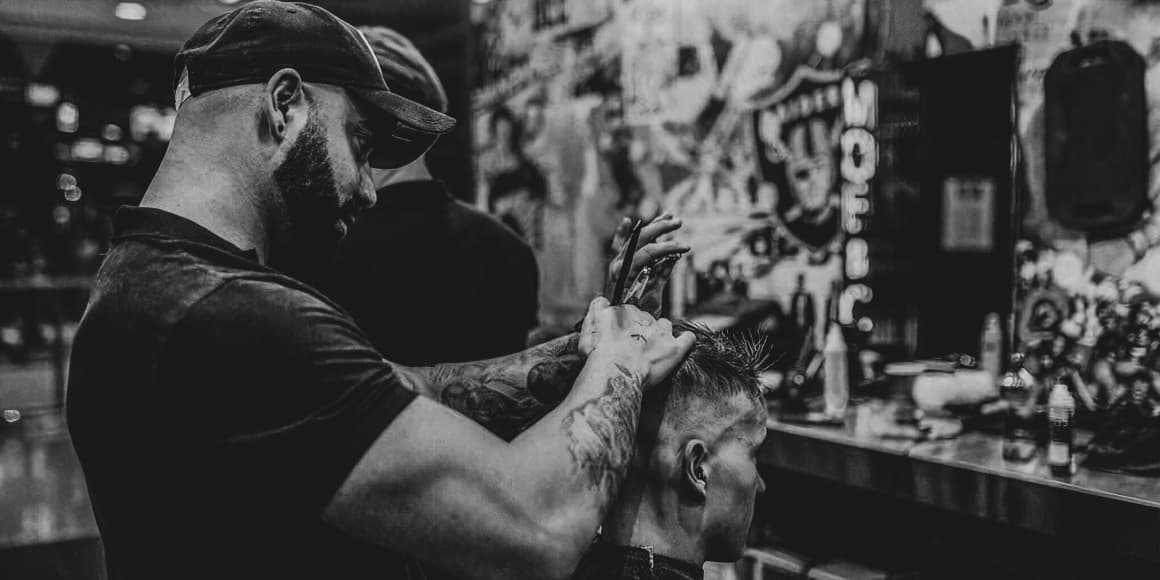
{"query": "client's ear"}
(695, 469)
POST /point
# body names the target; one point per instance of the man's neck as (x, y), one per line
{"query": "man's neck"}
(644, 516)
(216, 199)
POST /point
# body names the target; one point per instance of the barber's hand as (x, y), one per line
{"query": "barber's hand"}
(649, 248)
(646, 343)
(651, 297)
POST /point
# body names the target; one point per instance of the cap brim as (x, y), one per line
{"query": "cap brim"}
(403, 130)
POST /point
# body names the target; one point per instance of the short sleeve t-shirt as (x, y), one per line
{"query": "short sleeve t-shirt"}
(216, 406)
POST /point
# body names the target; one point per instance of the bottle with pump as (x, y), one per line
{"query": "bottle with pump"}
(837, 385)
(991, 347)
(1019, 443)
(1060, 416)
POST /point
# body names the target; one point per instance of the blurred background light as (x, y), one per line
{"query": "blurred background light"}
(41, 95)
(131, 11)
(68, 118)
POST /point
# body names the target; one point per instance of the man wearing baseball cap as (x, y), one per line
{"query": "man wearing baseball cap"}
(232, 422)
(429, 278)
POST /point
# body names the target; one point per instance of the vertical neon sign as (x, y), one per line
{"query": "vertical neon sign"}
(859, 163)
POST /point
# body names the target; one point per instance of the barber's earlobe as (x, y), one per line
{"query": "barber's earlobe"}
(695, 468)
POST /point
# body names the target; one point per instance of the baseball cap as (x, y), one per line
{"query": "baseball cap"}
(404, 68)
(251, 43)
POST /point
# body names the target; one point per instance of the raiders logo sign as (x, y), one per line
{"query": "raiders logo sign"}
(798, 131)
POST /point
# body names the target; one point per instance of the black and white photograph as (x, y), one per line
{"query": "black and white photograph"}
(580, 289)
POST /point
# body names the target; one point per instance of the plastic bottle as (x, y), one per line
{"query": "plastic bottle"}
(837, 386)
(991, 346)
(802, 306)
(1019, 443)
(1060, 415)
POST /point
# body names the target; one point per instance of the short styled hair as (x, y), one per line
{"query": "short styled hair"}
(721, 366)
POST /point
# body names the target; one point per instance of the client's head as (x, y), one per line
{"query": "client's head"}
(694, 477)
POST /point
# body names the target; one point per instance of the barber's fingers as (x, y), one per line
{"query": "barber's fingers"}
(653, 252)
(663, 224)
(665, 269)
(629, 316)
(648, 247)
(599, 303)
(659, 226)
(666, 353)
(664, 326)
(590, 329)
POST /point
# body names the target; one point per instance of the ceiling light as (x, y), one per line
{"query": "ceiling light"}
(130, 11)
(228, 2)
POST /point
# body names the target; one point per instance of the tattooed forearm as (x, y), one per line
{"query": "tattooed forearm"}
(601, 432)
(506, 394)
(501, 414)
(550, 381)
(512, 368)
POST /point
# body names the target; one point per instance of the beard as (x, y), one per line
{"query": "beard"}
(309, 239)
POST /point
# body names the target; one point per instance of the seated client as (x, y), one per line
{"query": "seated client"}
(690, 491)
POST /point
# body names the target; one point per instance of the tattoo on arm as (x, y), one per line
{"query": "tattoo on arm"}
(501, 413)
(507, 394)
(550, 381)
(602, 432)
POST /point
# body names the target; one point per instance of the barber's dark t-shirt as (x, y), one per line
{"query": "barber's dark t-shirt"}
(216, 406)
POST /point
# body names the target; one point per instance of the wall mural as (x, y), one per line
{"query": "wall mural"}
(724, 113)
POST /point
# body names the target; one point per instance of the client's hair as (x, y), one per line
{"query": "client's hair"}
(720, 366)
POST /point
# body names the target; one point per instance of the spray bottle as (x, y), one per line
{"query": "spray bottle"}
(837, 386)
(1060, 416)
(991, 347)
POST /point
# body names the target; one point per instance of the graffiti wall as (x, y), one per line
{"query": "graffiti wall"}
(725, 113)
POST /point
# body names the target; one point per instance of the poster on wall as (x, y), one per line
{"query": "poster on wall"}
(797, 143)
(590, 111)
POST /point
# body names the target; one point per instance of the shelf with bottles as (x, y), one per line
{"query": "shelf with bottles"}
(1100, 337)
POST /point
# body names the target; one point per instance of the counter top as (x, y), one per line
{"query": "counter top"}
(982, 452)
(968, 475)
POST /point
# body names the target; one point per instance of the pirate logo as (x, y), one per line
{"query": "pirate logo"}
(798, 134)
(811, 173)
